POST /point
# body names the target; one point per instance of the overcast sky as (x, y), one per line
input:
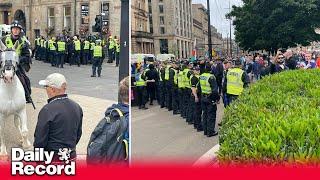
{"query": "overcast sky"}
(218, 10)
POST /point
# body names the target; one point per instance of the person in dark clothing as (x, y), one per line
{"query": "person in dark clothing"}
(196, 103)
(265, 69)
(152, 77)
(209, 98)
(59, 123)
(290, 61)
(175, 90)
(219, 74)
(162, 86)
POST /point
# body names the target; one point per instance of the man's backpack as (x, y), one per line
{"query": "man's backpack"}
(107, 144)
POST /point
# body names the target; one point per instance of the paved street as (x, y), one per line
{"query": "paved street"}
(158, 135)
(79, 79)
(93, 94)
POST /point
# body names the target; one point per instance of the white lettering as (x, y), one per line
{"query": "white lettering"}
(48, 156)
(40, 170)
(70, 169)
(17, 154)
(16, 166)
(28, 169)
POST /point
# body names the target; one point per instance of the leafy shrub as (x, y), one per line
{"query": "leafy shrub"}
(275, 121)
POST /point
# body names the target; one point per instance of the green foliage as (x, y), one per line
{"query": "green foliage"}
(273, 24)
(276, 120)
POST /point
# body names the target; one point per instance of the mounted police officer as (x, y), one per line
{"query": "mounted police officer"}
(24, 52)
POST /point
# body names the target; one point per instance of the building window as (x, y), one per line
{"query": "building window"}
(164, 46)
(67, 17)
(84, 14)
(160, 8)
(161, 20)
(6, 17)
(162, 30)
(51, 17)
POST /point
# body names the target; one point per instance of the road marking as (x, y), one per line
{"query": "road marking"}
(208, 157)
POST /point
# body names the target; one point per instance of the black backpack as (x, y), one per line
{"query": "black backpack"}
(107, 144)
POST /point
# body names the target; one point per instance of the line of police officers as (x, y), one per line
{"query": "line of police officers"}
(59, 49)
(191, 90)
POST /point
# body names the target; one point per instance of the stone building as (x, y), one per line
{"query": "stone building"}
(141, 37)
(56, 16)
(171, 26)
(200, 29)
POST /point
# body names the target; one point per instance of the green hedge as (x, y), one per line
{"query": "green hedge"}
(276, 120)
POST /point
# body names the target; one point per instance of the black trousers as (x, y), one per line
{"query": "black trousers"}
(151, 89)
(190, 109)
(161, 92)
(141, 90)
(186, 99)
(169, 96)
(196, 116)
(209, 115)
(175, 99)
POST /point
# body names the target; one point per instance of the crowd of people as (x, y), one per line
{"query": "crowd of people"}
(193, 89)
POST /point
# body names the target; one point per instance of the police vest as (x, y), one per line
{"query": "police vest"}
(140, 82)
(159, 72)
(86, 45)
(92, 46)
(111, 44)
(197, 76)
(117, 48)
(166, 73)
(175, 78)
(180, 79)
(38, 41)
(97, 51)
(52, 46)
(234, 81)
(186, 79)
(77, 45)
(61, 46)
(204, 83)
(10, 44)
(42, 43)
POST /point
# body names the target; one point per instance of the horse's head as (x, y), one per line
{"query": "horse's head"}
(9, 60)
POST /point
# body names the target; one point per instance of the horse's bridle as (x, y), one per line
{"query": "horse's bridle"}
(7, 65)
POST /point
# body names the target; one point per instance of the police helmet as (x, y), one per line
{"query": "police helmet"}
(17, 24)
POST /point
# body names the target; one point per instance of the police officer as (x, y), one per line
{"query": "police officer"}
(152, 78)
(181, 88)
(92, 44)
(37, 48)
(187, 89)
(61, 46)
(77, 50)
(86, 51)
(42, 51)
(117, 53)
(196, 99)
(23, 50)
(52, 51)
(175, 89)
(169, 77)
(234, 82)
(110, 49)
(162, 85)
(140, 83)
(97, 59)
(209, 98)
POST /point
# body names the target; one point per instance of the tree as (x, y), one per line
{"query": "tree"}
(274, 24)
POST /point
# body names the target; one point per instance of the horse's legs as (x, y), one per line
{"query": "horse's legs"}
(17, 123)
(24, 129)
(3, 146)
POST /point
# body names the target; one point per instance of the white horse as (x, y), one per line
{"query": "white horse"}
(12, 98)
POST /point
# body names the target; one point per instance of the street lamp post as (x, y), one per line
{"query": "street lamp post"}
(209, 32)
(124, 40)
